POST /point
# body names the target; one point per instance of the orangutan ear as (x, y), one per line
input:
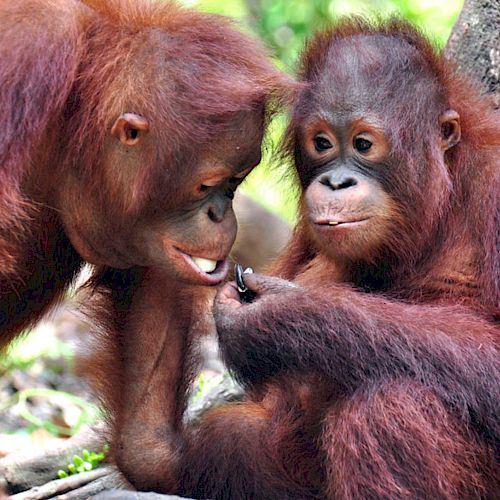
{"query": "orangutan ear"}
(129, 128)
(450, 129)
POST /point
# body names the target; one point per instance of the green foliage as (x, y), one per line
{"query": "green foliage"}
(87, 462)
(233, 8)
(285, 24)
(272, 184)
(44, 351)
(88, 413)
(39, 344)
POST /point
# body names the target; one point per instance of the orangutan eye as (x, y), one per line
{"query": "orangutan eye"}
(321, 143)
(208, 184)
(362, 145)
(132, 133)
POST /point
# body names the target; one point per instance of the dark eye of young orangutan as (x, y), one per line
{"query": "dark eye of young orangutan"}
(321, 143)
(362, 145)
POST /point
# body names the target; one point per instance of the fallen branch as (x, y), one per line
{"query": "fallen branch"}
(59, 486)
(113, 480)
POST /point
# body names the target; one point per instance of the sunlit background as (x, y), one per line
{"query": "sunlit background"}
(284, 24)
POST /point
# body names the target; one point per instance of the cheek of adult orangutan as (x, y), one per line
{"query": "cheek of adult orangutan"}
(348, 214)
(92, 232)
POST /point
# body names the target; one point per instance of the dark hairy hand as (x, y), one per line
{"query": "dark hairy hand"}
(243, 328)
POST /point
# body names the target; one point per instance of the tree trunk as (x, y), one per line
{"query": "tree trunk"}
(475, 44)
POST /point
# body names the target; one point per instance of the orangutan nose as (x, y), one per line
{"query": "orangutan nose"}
(217, 209)
(336, 181)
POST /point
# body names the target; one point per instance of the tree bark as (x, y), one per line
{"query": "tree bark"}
(475, 44)
(61, 486)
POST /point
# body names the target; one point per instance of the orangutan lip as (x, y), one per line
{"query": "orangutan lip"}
(335, 223)
(211, 278)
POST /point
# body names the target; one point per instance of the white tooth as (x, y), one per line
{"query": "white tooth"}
(333, 223)
(206, 265)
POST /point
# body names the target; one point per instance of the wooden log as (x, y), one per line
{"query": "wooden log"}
(53, 488)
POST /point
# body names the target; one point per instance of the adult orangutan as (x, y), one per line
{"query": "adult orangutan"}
(126, 128)
(372, 360)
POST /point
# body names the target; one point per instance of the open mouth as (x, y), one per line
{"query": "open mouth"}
(207, 271)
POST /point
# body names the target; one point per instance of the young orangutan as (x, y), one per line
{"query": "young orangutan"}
(372, 358)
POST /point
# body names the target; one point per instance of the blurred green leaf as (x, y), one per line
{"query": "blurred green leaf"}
(88, 413)
(43, 342)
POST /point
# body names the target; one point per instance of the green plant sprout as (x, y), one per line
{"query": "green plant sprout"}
(85, 463)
